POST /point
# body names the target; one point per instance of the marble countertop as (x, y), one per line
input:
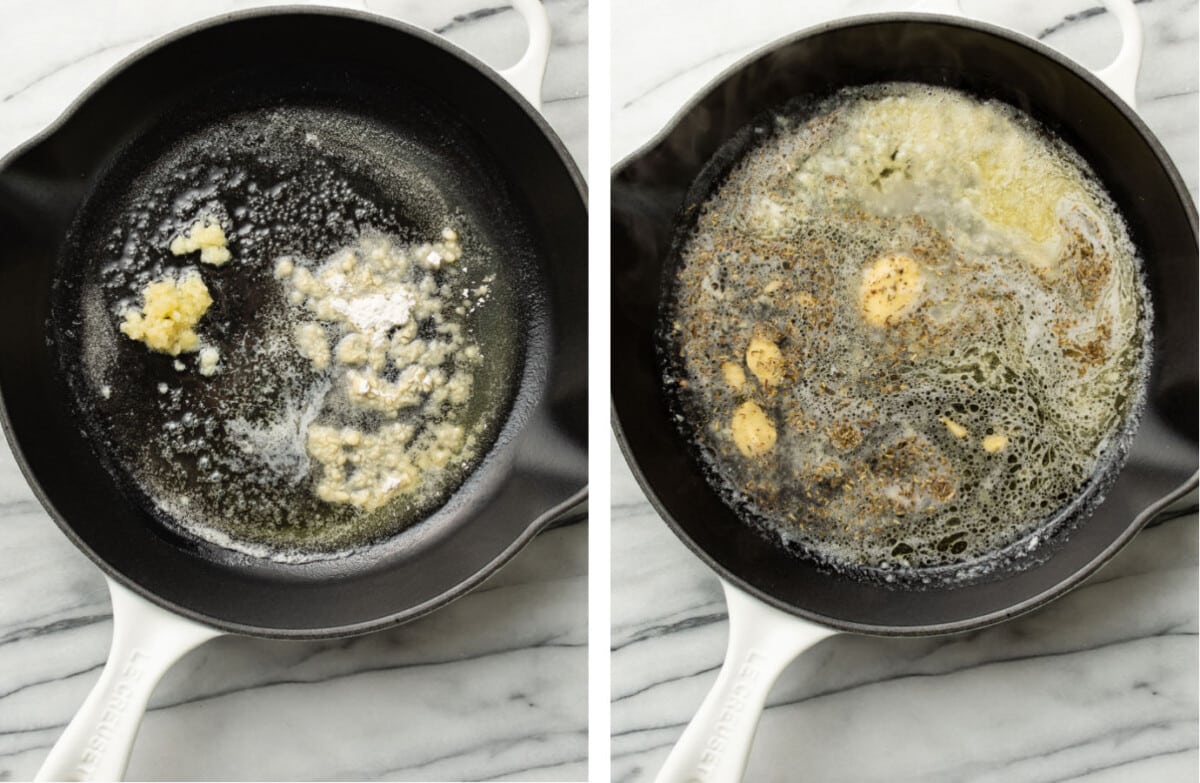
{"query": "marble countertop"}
(494, 686)
(1099, 686)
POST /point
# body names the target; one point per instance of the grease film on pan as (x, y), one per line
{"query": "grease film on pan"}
(354, 264)
(903, 330)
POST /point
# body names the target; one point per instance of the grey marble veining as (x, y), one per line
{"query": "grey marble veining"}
(1099, 686)
(494, 686)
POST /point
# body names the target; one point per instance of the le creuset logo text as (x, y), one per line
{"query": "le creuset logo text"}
(732, 712)
(113, 714)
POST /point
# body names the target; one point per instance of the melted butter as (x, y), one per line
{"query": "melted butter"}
(955, 319)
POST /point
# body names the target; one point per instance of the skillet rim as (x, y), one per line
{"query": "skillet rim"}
(1138, 522)
(536, 524)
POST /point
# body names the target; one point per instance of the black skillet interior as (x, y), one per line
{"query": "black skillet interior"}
(420, 123)
(650, 188)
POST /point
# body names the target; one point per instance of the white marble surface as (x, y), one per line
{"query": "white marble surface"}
(1099, 686)
(492, 687)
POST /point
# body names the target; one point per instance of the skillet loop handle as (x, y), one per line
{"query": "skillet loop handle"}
(763, 640)
(147, 640)
(1120, 75)
(526, 76)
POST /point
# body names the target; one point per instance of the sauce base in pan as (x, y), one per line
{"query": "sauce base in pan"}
(904, 331)
(231, 457)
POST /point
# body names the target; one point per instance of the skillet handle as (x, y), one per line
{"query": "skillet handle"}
(1120, 75)
(529, 71)
(147, 640)
(762, 642)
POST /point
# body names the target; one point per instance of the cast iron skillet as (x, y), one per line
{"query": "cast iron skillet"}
(648, 191)
(454, 127)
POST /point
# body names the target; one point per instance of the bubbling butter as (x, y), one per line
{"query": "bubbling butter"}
(944, 315)
(384, 331)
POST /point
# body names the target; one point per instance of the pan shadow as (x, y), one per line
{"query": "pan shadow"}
(500, 673)
(1099, 678)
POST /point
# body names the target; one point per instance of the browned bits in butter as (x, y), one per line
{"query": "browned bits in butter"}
(845, 436)
(902, 319)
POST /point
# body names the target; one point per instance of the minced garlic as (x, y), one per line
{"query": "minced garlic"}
(994, 443)
(735, 376)
(170, 310)
(956, 429)
(765, 360)
(369, 469)
(207, 236)
(313, 344)
(753, 431)
(210, 357)
(889, 289)
(376, 323)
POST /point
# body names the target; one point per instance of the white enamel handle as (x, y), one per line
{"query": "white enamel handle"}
(762, 642)
(526, 76)
(1121, 74)
(147, 640)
